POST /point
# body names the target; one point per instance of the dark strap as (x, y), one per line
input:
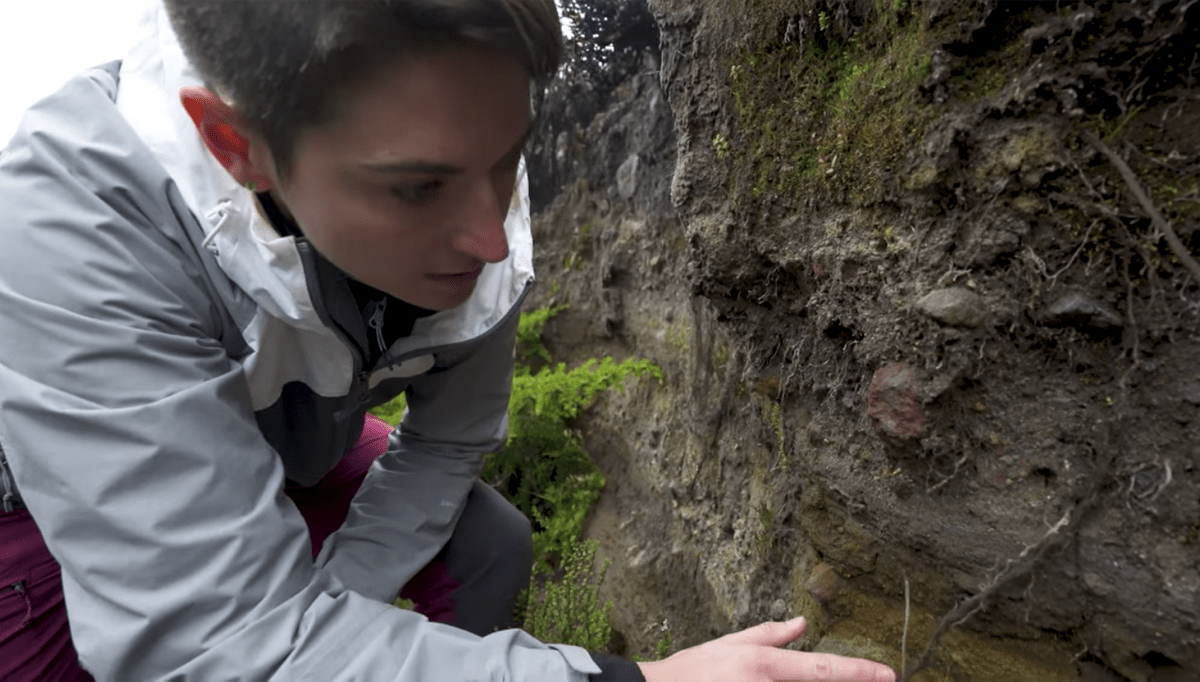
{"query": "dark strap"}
(615, 669)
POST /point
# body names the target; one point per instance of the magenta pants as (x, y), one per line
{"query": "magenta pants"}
(472, 584)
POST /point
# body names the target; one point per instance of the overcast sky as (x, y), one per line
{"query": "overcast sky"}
(45, 42)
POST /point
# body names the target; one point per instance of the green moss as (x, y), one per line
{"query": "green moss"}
(678, 335)
(721, 355)
(773, 414)
(976, 83)
(831, 114)
(1109, 128)
(764, 538)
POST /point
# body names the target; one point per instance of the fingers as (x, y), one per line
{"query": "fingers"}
(778, 664)
(768, 634)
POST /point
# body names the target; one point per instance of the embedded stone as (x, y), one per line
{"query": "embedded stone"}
(627, 177)
(824, 583)
(1191, 392)
(1084, 312)
(894, 403)
(852, 646)
(955, 307)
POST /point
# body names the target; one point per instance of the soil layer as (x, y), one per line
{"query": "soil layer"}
(922, 280)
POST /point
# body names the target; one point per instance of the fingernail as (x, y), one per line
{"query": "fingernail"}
(798, 620)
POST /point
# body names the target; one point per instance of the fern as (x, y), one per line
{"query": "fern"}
(543, 467)
(569, 502)
(529, 335)
(547, 474)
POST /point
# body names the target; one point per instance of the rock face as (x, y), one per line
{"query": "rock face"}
(764, 206)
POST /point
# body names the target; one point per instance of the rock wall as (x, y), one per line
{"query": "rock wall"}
(915, 323)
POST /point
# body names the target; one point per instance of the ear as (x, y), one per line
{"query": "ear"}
(223, 132)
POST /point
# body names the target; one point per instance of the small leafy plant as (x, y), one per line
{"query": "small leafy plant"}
(569, 611)
(543, 467)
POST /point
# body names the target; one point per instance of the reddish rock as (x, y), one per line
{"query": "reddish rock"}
(893, 403)
(824, 583)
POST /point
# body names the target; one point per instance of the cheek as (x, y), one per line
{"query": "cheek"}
(505, 185)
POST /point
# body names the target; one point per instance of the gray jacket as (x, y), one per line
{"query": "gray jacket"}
(167, 360)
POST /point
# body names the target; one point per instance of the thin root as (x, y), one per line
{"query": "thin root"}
(1147, 205)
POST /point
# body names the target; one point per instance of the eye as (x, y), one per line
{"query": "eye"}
(418, 192)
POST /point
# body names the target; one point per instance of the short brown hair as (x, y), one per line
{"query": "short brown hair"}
(283, 63)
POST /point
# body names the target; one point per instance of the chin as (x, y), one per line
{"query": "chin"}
(443, 301)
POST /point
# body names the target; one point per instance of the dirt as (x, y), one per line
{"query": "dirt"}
(914, 323)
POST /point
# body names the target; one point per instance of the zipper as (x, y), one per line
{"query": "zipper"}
(19, 588)
(376, 323)
(358, 354)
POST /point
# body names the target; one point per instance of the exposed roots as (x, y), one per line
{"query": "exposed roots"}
(1023, 564)
(957, 465)
(1014, 568)
(1135, 186)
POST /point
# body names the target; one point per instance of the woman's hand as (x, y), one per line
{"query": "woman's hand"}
(752, 655)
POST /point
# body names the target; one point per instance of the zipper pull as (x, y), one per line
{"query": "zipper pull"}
(19, 588)
(376, 323)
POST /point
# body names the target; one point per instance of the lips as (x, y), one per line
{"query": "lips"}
(465, 276)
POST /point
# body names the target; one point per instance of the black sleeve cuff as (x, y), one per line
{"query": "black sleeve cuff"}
(615, 669)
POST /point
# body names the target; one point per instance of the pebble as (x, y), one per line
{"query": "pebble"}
(824, 583)
(1076, 310)
(954, 306)
(627, 177)
(1191, 392)
(893, 402)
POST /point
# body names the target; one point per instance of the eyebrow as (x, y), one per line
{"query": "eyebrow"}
(433, 167)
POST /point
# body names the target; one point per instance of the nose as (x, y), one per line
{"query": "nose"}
(482, 235)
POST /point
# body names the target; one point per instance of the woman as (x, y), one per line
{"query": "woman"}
(216, 255)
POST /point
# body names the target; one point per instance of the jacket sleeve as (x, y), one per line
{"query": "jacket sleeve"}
(130, 434)
(412, 496)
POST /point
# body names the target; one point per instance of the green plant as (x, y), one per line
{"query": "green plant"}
(662, 648)
(568, 503)
(772, 412)
(391, 411)
(829, 114)
(529, 335)
(547, 474)
(570, 611)
(543, 467)
(721, 145)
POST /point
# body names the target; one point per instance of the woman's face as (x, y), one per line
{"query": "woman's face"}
(407, 189)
